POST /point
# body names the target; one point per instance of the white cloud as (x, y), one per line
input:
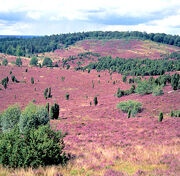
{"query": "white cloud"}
(70, 12)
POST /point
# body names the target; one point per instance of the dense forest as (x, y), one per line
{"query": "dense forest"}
(27, 46)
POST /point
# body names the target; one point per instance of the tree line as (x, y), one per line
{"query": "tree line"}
(28, 46)
(134, 67)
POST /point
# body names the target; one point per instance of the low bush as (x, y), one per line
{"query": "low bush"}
(130, 105)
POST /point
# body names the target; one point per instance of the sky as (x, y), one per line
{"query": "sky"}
(47, 17)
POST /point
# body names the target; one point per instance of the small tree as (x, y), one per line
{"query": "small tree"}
(18, 62)
(54, 111)
(95, 100)
(5, 62)
(34, 61)
(32, 80)
(160, 117)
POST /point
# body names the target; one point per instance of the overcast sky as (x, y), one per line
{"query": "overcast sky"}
(45, 17)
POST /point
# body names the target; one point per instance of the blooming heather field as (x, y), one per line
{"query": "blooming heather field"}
(101, 139)
(118, 48)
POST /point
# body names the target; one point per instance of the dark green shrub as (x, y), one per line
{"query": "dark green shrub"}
(45, 93)
(129, 113)
(160, 117)
(10, 117)
(49, 95)
(34, 61)
(32, 117)
(32, 80)
(26, 70)
(5, 62)
(67, 96)
(95, 100)
(54, 111)
(10, 72)
(36, 147)
(47, 62)
(114, 82)
(18, 62)
(13, 78)
(124, 78)
(132, 105)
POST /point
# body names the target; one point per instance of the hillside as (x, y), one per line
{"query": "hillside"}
(124, 48)
(101, 139)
